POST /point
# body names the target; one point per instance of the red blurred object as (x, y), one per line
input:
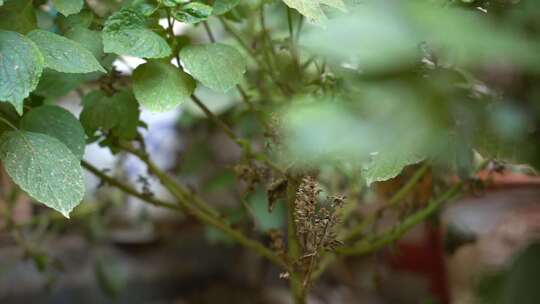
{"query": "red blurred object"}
(421, 252)
(424, 257)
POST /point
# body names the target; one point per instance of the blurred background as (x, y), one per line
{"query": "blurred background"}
(386, 86)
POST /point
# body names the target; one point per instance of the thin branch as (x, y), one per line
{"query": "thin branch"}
(170, 29)
(396, 198)
(9, 124)
(367, 246)
(217, 121)
(178, 188)
(199, 209)
(209, 32)
(252, 54)
(292, 41)
(126, 188)
(239, 141)
(242, 92)
(371, 244)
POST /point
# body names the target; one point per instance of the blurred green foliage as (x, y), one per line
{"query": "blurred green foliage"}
(417, 80)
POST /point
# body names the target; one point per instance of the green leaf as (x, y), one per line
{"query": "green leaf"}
(21, 66)
(312, 8)
(64, 55)
(128, 120)
(53, 84)
(193, 12)
(223, 6)
(161, 86)
(58, 123)
(98, 112)
(18, 16)
(118, 114)
(125, 33)
(91, 40)
(68, 7)
(83, 18)
(43, 167)
(217, 66)
(170, 3)
(388, 164)
(145, 7)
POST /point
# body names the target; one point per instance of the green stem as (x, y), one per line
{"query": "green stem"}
(126, 188)
(9, 124)
(396, 198)
(292, 41)
(243, 94)
(239, 141)
(369, 245)
(192, 204)
(268, 50)
(170, 29)
(252, 54)
(217, 121)
(163, 177)
(209, 32)
(409, 186)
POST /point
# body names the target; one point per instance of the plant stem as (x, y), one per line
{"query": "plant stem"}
(126, 188)
(369, 245)
(217, 121)
(409, 186)
(164, 177)
(9, 124)
(295, 281)
(192, 204)
(209, 32)
(239, 141)
(170, 28)
(252, 54)
(396, 198)
(268, 50)
(292, 40)
(243, 94)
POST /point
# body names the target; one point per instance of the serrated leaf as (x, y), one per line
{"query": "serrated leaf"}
(18, 16)
(58, 123)
(193, 12)
(217, 66)
(21, 65)
(44, 168)
(68, 7)
(125, 33)
(64, 55)
(161, 86)
(312, 9)
(223, 6)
